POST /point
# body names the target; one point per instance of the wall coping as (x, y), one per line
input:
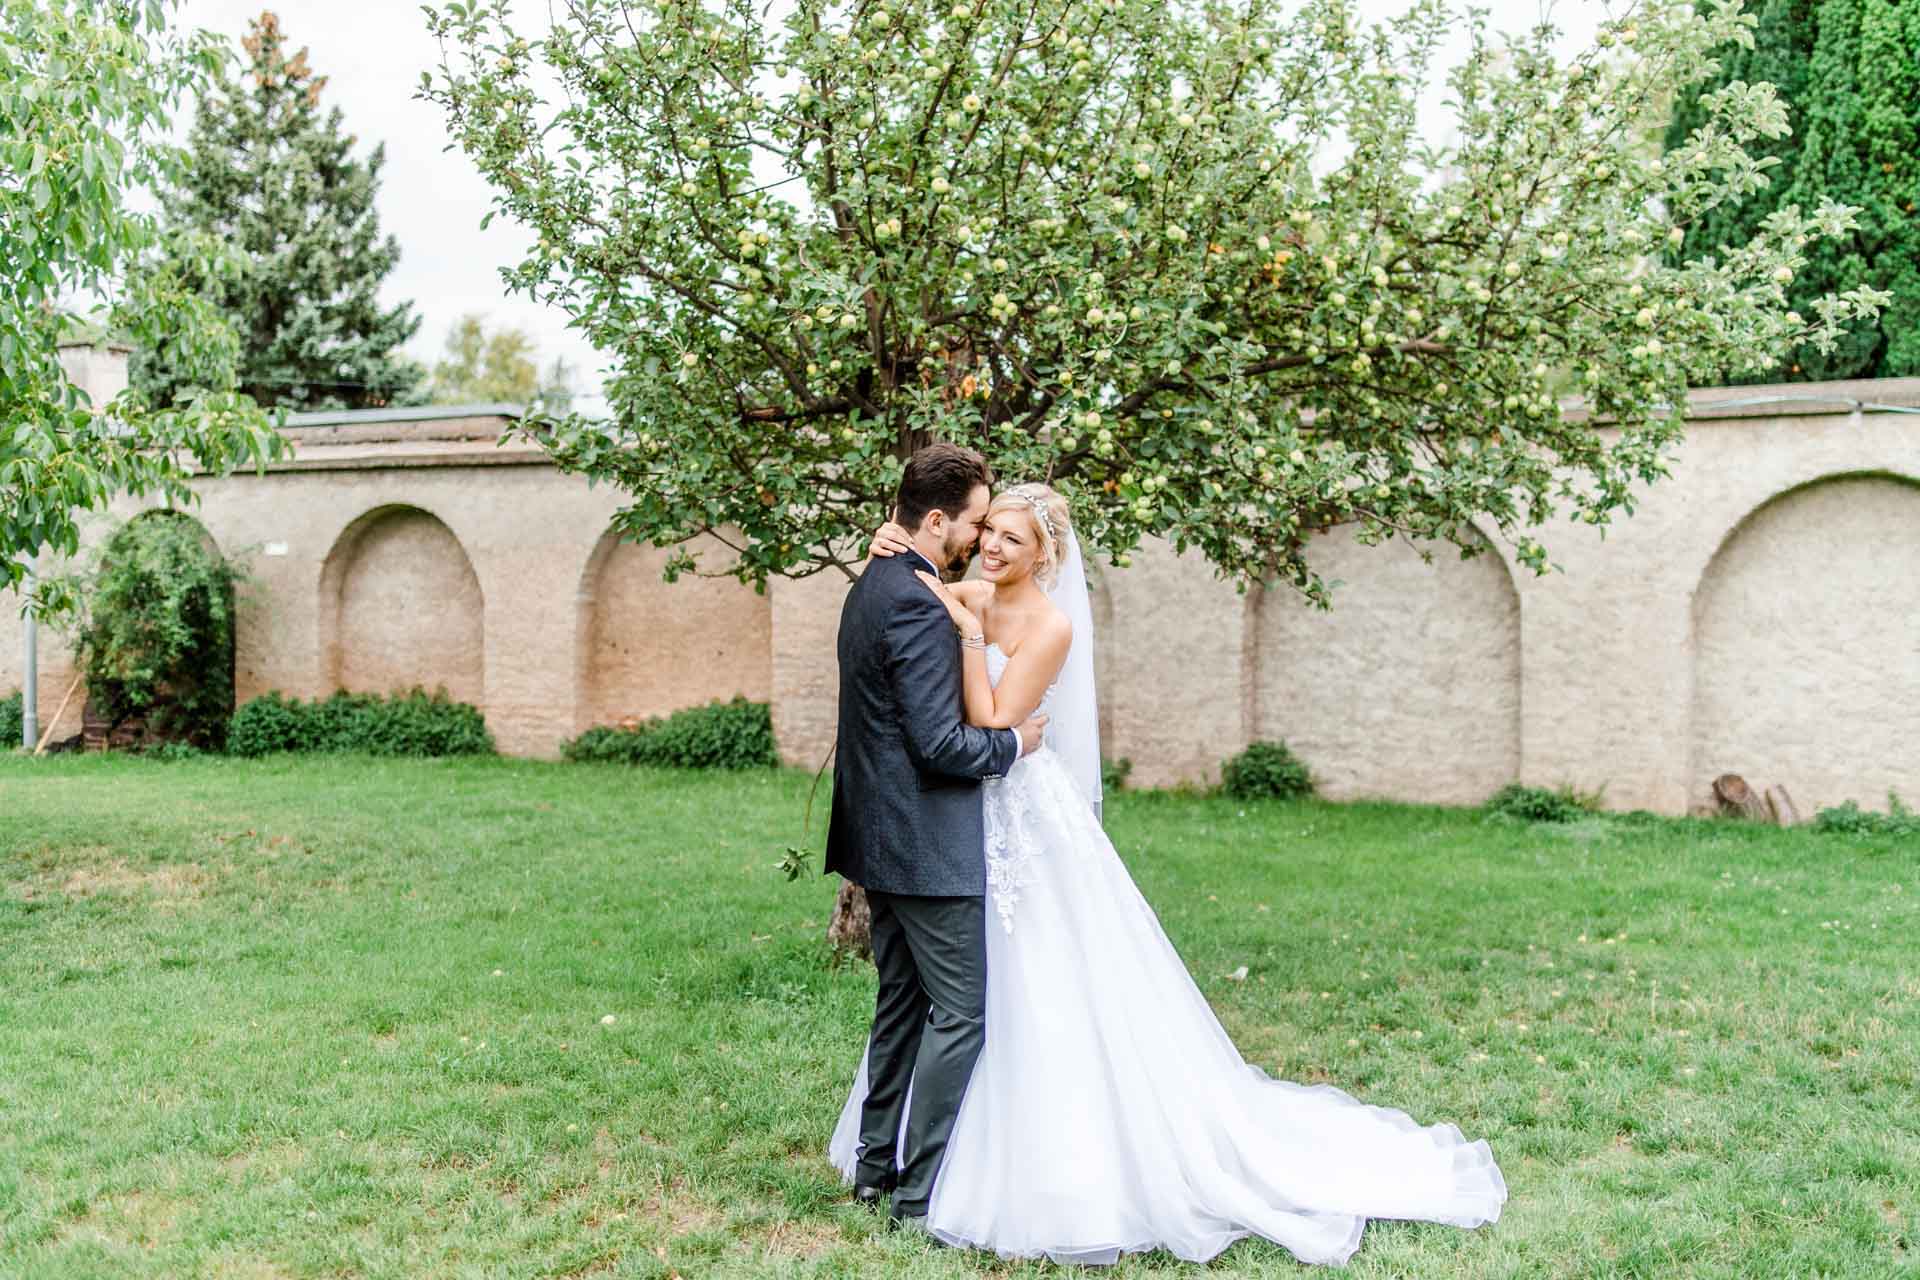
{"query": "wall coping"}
(473, 434)
(1804, 399)
(465, 424)
(1790, 400)
(411, 413)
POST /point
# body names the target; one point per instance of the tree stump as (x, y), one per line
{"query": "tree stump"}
(851, 928)
(1737, 800)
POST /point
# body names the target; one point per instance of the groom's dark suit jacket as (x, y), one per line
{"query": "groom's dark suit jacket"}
(906, 777)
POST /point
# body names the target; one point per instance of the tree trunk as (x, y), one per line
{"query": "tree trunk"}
(851, 928)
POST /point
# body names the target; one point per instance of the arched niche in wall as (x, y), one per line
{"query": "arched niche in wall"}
(1409, 686)
(400, 606)
(1806, 645)
(647, 647)
(207, 687)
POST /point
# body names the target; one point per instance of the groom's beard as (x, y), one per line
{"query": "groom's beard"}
(958, 558)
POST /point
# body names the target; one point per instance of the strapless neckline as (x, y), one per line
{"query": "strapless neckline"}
(997, 661)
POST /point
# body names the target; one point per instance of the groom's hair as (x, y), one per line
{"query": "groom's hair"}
(940, 476)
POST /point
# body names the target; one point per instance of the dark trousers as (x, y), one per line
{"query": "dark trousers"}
(929, 1023)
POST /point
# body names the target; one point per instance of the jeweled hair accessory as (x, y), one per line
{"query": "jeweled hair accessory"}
(1039, 505)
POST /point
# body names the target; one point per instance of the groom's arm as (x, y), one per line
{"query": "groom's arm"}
(921, 662)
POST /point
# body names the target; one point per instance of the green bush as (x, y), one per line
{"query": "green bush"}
(157, 640)
(1266, 769)
(720, 735)
(266, 725)
(12, 712)
(1114, 774)
(415, 723)
(1850, 819)
(1538, 804)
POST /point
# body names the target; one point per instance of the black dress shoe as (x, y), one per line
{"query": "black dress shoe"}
(873, 1197)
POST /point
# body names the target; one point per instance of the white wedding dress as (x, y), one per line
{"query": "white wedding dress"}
(1110, 1113)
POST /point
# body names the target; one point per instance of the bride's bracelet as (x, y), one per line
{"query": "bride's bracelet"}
(974, 641)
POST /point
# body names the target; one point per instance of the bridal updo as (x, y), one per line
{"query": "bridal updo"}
(1052, 522)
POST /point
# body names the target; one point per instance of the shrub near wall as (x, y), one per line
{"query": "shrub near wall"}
(12, 711)
(720, 735)
(1268, 769)
(416, 723)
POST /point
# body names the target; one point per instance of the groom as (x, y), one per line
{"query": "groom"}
(907, 827)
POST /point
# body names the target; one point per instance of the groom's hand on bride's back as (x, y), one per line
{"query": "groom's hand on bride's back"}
(1030, 735)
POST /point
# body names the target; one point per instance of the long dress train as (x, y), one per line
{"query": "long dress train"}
(1110, 1113)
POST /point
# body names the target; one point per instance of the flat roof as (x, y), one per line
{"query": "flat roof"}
(416, 413)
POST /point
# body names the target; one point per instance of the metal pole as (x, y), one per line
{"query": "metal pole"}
(30, 690)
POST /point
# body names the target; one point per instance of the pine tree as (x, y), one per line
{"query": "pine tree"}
(273, 176)
(1849, 71)
(1862, 131)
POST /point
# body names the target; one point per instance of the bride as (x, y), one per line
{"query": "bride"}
(1109, 1113)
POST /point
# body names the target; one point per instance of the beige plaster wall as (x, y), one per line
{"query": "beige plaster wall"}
(1806, 647)
(653, 647)
(380, 562)
(57, 669)
(1409, 687)
(806, 677)
(1172, 663)
(1754, 615)
(1607, 643)
(12, 660)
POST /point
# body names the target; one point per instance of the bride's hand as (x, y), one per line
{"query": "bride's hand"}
(889, 540)
(962, 616)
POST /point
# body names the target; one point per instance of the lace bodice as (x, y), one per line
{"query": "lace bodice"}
(1012, 840)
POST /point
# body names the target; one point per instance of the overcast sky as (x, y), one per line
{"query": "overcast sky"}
(373, 51)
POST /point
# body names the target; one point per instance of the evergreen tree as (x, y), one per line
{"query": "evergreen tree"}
(1849, 71)
(272, 176)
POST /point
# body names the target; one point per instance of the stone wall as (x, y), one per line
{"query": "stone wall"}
(413, 549)
(1754, 616)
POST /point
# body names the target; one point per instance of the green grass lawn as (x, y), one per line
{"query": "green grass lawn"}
(342, 1017)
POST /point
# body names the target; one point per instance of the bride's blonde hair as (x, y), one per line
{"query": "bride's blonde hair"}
(1052, 522)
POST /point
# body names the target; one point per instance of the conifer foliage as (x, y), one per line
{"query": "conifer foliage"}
(273, 175)
(1849, 73)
